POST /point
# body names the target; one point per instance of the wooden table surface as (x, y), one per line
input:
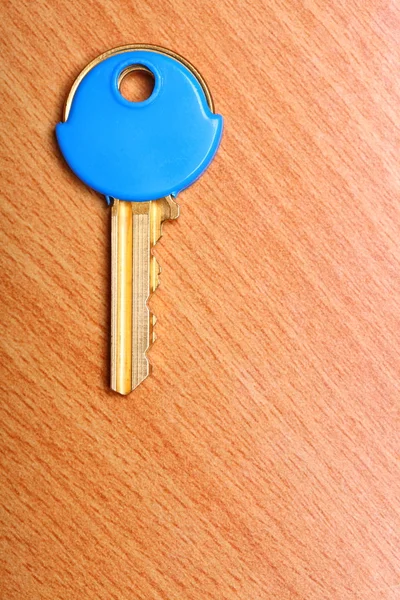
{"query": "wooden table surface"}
(260, 460)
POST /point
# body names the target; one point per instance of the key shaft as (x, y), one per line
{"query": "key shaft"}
(135, 229)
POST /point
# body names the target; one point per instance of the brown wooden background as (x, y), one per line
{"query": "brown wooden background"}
(260, 461)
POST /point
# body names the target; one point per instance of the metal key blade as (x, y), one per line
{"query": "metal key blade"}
(135, 228)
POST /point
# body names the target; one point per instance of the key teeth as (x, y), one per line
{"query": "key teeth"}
(174, 208)
(166, 209)
(155, 271)
(153, 321)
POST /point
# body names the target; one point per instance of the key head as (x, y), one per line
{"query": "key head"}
(140, 151)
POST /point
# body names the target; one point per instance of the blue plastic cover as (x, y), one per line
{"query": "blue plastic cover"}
(139, 151)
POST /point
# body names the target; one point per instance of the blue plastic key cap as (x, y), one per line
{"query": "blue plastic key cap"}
(140, 151)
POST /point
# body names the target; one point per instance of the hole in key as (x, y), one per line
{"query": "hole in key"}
(136, 83)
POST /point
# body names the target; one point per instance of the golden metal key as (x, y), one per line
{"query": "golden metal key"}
(140, 155)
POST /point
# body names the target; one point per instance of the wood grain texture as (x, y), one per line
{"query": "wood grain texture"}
(260, 460)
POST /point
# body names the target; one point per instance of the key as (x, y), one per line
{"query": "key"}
(140, 156)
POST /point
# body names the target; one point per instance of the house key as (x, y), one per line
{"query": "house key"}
(140, 155)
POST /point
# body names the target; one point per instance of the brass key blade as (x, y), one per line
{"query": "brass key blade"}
(135, 228)
(130, 289)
